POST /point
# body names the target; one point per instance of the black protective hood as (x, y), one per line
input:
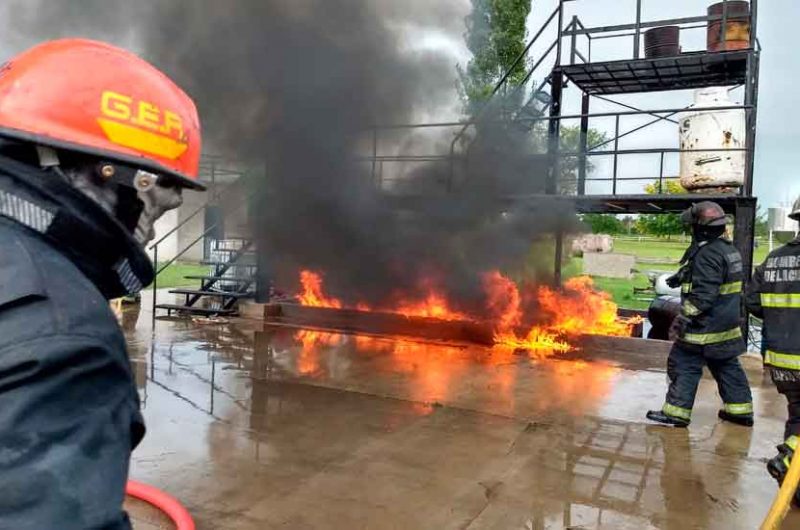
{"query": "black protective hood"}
(76, 226)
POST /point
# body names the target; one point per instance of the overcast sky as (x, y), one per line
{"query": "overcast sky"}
(777, 177)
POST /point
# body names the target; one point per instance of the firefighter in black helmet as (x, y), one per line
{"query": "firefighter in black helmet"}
(708, 331)
(774, 296)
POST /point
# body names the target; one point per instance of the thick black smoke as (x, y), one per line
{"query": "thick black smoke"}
(291, 88)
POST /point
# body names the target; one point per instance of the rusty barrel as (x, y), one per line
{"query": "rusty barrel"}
(737, 33)
(662, 42)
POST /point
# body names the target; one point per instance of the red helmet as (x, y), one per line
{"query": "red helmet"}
(94, 98)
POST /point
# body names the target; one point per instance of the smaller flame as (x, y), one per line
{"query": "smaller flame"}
(313, 294)
(433, 306)
(503, 301)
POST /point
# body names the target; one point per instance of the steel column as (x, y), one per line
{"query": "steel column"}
(744, 227)
(554, 131)
(616, 156)
(560, 31)
(751, 100)
(573, 40)
(559, 257)
(638, 33)
(155, 287)
(584, 138)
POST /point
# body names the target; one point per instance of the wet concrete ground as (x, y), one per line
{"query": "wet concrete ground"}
(255, 429)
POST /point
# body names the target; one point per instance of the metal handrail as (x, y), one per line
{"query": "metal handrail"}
(185, 250)
(169, 263)
(565, 154)
(652, 24)
(569, 117)
(507, 74)
(214, 198)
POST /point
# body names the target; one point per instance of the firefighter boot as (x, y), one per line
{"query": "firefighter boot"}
(778, 466)
(739, 419)
(664, 419)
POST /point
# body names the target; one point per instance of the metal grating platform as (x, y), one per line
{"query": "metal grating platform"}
(635, 204)
(687, 71)
(617, 204)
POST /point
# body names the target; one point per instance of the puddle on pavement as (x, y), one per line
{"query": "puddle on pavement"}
(255, 428)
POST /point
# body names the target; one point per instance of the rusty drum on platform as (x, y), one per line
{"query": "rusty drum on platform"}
(662, 42)
(737, 33)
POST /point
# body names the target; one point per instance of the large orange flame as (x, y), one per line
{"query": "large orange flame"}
(562, 314)
(576, 309)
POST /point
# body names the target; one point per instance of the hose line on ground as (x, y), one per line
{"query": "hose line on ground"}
(782, 502)
(167, 504)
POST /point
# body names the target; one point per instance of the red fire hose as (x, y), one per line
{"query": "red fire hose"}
(166, 503)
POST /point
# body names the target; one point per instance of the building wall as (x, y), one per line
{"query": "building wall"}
(194, 228)
(234, 206)
(169, 247)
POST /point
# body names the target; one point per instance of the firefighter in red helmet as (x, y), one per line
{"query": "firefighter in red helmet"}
(95, 145)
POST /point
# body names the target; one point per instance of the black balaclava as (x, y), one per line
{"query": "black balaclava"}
(701, 233)
(136, 207)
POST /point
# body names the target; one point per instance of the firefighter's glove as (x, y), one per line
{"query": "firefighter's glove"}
(678, 328)
(678, 279)
(674, 281)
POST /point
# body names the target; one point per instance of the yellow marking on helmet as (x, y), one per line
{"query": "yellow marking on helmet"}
(146, 141)
(142, 125)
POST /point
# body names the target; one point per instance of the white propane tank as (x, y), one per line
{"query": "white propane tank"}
(662, 289)
(723, 129)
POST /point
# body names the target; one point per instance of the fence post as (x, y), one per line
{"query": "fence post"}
(155, 286)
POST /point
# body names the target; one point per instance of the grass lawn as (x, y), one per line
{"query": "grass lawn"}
(670, 250)
(173, 276)
(622, 291)
(652, 250)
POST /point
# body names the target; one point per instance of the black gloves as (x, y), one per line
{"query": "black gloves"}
(678, 328)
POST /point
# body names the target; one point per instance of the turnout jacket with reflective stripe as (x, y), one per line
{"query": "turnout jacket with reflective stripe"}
(711, 297)
(774, 295)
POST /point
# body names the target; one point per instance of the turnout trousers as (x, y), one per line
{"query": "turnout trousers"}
(685, 369)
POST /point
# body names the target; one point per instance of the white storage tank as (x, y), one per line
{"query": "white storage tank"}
(715, 130)
(778, 220)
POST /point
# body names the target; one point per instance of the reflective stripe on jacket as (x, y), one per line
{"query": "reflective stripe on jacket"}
(774, 295)
(712, 295)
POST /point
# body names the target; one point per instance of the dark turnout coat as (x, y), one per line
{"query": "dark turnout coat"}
(712, 298)
(774, 295)
(69, 410)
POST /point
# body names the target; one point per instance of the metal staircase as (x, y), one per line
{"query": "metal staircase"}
(232, 279)
(231, 261)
